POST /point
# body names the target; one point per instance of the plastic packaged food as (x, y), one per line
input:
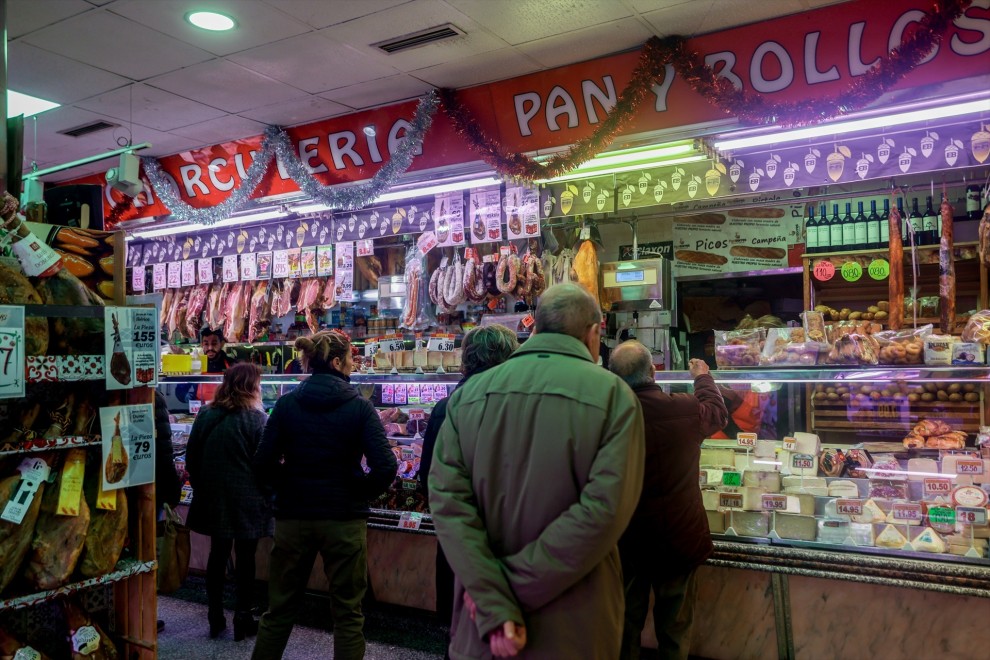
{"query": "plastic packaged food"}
(814, 326)
(786, 347)
(738, 348)
(416, 314)
(967, 353)
(903, 346)
(978, 328)
(938, 349)
(854, 349)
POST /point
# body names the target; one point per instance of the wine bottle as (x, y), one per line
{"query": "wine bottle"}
(824, 231)
(848, 229)
(929, 224)
(974, 210)
(835, 230)
(811, 232)
(915, 225)
(860, 229)
(885, 225)
(873, 227)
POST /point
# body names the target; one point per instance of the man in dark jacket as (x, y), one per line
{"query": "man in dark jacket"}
(311, 454)
(670, 514)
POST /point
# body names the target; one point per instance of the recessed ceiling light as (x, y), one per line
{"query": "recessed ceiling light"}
(22, 104)
(211, 20)
(369, 131)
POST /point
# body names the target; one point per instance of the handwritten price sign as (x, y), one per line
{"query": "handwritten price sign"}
(851, 271)
(11, 352)
(364, 248)
(230, 268)
(158, 277)
(137, 279)
(823, 271)
(732, 478)
(174, 275)
(206, 271)
(879, 269)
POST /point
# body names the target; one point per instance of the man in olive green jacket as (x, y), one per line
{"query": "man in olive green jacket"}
(537, 472)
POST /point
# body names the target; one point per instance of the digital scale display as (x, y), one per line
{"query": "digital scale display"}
(624, 276)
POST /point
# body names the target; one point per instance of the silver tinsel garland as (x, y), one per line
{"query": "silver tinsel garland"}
(238, 198)
(277, 143)
(350, 198)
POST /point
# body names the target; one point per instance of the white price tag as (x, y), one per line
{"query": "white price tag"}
(280, 264)
(230, 268)
(365, 248)
(906, 511)
(410, 520)
(188, 273)
(443, 343)
(137, 279)
(174, 275)
(746, 439)
(34, 471)
(416, 414)
(249, 266)
(12, 361)
(158, 277)
(970, 467)
(971, 515)
(370, 348)
(194, 406)
(773, 502)
(391, 345)
(427, 241)
(206, 271)
(790, 443)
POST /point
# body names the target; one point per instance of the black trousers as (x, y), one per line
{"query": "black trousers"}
(244, 567)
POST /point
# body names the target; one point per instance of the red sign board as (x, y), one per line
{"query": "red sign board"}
(809, 55)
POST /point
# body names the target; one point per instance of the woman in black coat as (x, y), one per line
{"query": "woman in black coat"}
(228, 504)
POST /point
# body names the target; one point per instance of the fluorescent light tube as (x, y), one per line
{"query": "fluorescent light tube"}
(23, 104)
(582, 173)
(881, 121)
(189, 229)
(394, 195)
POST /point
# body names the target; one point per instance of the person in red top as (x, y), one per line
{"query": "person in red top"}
(670, 514)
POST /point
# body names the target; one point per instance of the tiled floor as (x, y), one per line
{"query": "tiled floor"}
(392, 634)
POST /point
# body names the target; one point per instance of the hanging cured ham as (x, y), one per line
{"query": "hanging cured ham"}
(586, 267)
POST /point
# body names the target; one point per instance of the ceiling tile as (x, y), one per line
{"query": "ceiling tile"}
(468, 71)
(684, 19)
(49, 76)
(730, 13)
(152, 107)
(258, 23)
(324, 14)
(413, 17)
(519, 21)
(596, 41)
(379, 92)
(222, 130)
(299, 111)
(313, 63)
(115, 44)
(24, 17)
(225, 85)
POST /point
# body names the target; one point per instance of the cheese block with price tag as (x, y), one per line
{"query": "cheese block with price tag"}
(752, 498)
(797, 463)
(807, 443)
(890, 537)
(802, 504)
(968, 469)
(921, 468)
(872, 513)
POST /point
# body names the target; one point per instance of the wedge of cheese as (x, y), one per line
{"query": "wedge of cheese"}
(749, 523)
(890, 537)
(716, 521)
(802, 503)
(709, 498)
(872, 513)
(928, 541)
(717, 457)
(753, 498)
(807, 443)
(766, 448)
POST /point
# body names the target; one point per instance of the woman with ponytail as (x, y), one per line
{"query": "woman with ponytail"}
(311, 455)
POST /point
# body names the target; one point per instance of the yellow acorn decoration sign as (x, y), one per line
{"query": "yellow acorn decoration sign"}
(835, 163)
(980, 144)
(567, 198)
(713, 178)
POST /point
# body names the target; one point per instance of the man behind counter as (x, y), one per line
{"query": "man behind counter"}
(212, 342)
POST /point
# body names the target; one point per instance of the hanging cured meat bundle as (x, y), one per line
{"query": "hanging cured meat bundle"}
(235, 313)
(107, 530)
(194, 315)
(260, 315)
(586, 266)
(215, 305)
(15, 540)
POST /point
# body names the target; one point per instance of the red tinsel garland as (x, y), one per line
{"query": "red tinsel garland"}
(748, 106)
(117, 213)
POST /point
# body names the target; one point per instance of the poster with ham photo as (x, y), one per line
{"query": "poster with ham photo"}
(128, 445)
(448, 217)
(521, 212)
(485, 215)
(131, 346)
